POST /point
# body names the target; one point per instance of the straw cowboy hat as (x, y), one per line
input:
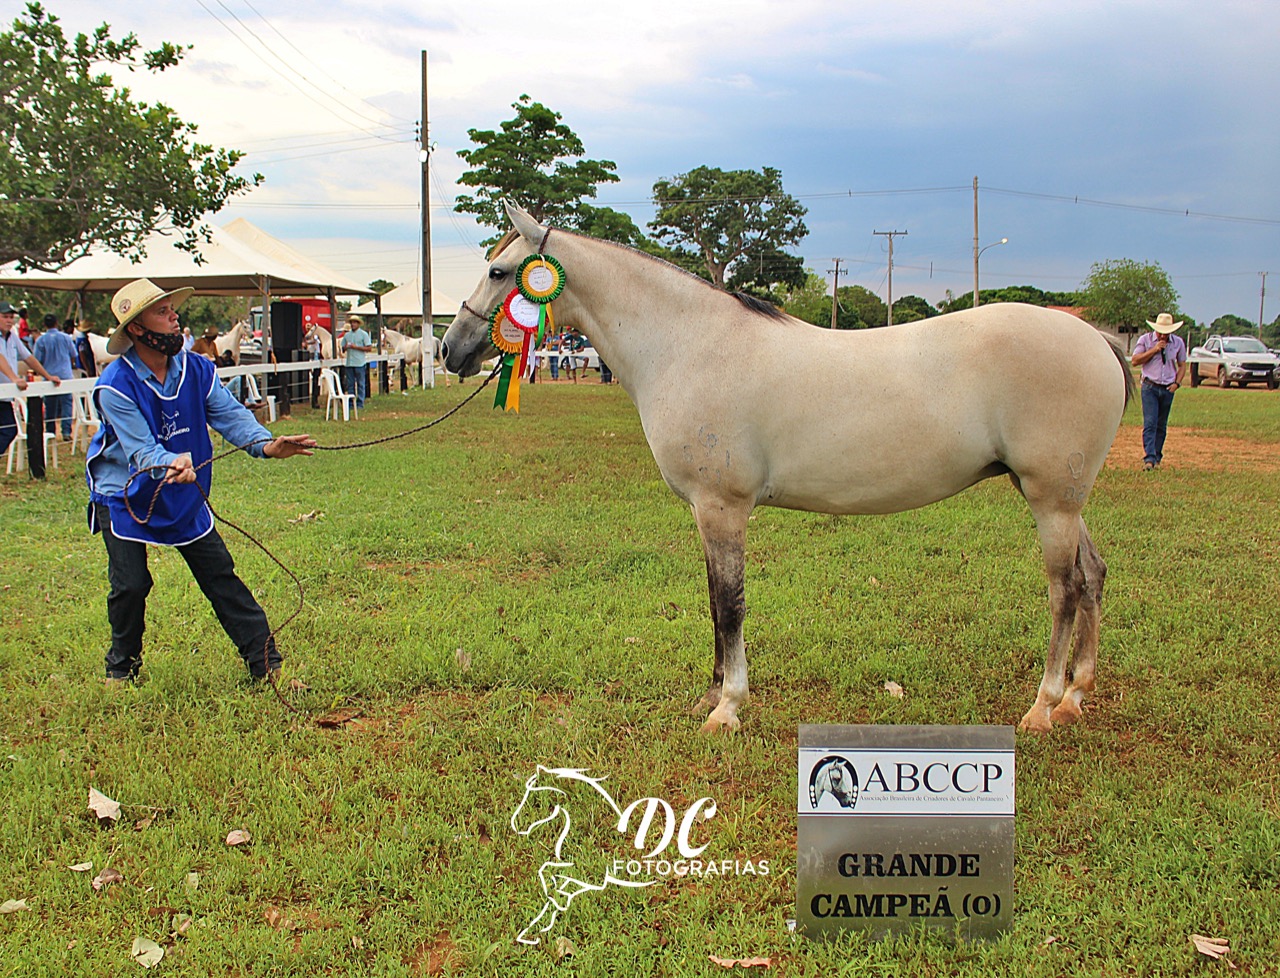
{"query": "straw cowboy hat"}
(131, 302)
(1164, 323)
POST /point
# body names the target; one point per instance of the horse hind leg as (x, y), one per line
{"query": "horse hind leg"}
(1059, 538)
(1084, 655)
(723, 528)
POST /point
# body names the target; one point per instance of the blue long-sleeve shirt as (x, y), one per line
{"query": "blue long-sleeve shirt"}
(226, 415)
(56, 352)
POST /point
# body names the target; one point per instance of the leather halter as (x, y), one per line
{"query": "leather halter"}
(542, 247)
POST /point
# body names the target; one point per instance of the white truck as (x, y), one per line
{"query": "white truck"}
(1241, 360)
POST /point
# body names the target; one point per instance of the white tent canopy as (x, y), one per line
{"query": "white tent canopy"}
(228, 266)
(406, 300)
(275, 249)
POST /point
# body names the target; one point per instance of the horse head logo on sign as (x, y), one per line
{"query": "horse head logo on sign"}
(834, 776)
(550, 794)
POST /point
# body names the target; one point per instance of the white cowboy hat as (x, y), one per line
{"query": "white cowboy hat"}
(1164, 323)
(131, 301)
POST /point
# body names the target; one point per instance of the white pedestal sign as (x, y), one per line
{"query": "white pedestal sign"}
(905, 826)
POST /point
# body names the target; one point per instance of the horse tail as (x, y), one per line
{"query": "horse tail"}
(1128, 374)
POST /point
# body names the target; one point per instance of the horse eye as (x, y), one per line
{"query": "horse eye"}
(496, 273)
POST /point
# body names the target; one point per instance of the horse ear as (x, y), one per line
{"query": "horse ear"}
(524, 223)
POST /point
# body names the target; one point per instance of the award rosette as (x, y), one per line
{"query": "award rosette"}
(519, 324)
(540, 279)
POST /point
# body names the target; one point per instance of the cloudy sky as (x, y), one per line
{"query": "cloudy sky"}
(1098, 129)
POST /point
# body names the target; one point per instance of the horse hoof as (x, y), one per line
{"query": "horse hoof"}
(1035, 722)
(710, 700)
(1066, 713)
(716, 725)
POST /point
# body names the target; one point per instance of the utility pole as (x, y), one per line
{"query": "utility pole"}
(975, 242)
(1262, 301)
(424, 157)
(890, 235)
(835, 290)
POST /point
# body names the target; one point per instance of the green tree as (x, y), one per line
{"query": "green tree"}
(868, 309)
(809, 300)
(202, 311)
(527, 160)
(1010, 293)
(726, 215)
(1123, 295)
(605, 223)
(1233, 325)
(381, 286)
(910, 308)
(767, 272)
(81, 163)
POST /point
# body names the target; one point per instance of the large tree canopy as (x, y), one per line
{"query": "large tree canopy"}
(1123, 295)
(725, 215)
(526, 160)
(81, 163)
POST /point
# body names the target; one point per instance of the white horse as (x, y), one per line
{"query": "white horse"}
(410, 347)
(326, 341)
(886, 420)
(100, 355)
(230, 341)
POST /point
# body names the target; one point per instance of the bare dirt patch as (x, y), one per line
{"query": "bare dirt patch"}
(1196, 448)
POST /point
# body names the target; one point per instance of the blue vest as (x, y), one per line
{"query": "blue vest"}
(180, 514)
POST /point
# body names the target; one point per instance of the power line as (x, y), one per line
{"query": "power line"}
(269, 64)
(1176, 212)
(307, 57)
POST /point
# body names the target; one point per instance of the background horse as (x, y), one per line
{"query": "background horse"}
(410, 347)
(230, 341)
(886, 420)
(100, 355)
(548, 794)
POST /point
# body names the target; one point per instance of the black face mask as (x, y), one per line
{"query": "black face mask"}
(170, 344)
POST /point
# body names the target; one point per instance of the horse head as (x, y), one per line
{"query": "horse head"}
(466, 342)
(537, 797)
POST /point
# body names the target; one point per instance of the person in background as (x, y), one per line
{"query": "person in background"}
(13, 355)
(187, 339)
(358, 345)
(24, 327)
(1162, 355)
(57, 351)
(84, 350)
(157, 404)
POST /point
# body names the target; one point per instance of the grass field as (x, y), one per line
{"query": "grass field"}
(506, 591)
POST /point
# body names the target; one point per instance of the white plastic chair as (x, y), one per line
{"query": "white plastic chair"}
(251, 386)
(333, 389)
(84, 419)
(17, 455)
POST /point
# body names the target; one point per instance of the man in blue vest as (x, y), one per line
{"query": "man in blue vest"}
(157, 404)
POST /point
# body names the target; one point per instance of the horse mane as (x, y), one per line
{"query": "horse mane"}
(500, 245)
(761, 307)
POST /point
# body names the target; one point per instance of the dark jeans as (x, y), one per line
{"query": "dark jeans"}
(241, 616)
(57, 406)
(356, 381)
(8, 427)
(1156, 402)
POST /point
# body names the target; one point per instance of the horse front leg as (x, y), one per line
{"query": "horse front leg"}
(723, 528)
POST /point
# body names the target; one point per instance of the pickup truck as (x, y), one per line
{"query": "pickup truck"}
(1242, 360)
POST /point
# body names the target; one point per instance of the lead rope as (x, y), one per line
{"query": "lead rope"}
(266, 646)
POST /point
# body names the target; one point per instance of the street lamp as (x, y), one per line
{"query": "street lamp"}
(976, 256)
